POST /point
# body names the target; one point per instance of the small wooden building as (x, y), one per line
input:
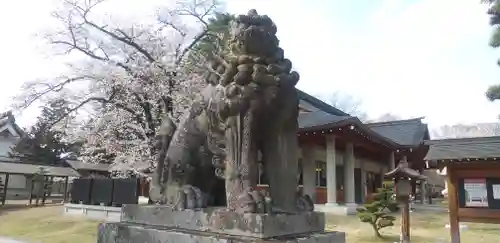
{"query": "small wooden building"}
(473, 178)
(27, 171)
(89, 170)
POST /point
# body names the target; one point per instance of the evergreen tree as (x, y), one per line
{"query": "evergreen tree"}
(493, 92)
(41, 144)
(217, 37)
(376, 212)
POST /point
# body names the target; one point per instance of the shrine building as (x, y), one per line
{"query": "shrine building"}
(342, 160)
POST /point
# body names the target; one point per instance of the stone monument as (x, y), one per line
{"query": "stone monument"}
(205, 183)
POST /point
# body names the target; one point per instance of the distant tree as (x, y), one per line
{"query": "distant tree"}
(376, 213)
(44, 145)
(386, 118)
(464, 131)
(347, 103)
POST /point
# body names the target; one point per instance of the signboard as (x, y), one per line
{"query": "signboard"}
(476, 194)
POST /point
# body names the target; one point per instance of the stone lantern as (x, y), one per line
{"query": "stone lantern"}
(402, 176)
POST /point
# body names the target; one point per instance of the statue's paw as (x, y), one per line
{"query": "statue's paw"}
(253, 202)
(305, 204)
(155, 195)
(190, 197)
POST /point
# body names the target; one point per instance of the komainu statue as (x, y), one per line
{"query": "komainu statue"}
(249, 106)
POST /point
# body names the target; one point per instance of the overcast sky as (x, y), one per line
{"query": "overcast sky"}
(408, 57)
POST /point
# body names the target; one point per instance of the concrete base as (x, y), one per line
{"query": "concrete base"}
(133, 233)
(337, 209)
(110, 214)
(217, 220)
(154, 223)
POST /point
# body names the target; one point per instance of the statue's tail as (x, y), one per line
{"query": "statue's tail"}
(167, 130)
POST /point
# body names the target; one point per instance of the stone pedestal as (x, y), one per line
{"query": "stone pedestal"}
(159, 224)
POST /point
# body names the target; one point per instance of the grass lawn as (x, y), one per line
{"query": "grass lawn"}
(425, 228)
(48, 225)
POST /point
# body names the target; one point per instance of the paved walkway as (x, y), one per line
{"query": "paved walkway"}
(7, 240)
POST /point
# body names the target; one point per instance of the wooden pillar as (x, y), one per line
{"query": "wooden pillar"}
(5, 188)
(44, 189)
(50, 186)
(65, 189)
(453, 206)
(364, 185)
(143, 186)
(392, 161)
(414, 190)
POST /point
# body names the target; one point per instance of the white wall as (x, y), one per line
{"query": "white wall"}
(369, 165)
(5, 146)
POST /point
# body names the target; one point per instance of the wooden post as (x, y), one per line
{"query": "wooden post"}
(414, 189)
(453, 206)
(51, 186)
(66, 188)
(5, 186)
(405, 222)
(141, 183)
(31, 190)
(46, 182)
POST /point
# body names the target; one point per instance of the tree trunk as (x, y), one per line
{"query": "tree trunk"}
(376, 230)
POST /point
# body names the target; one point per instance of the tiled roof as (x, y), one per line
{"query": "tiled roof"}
(30, 169)
(463, 148)
(318, 118)
(78, 165)
(319, 104)
(7, 117)
(403, 169)
(138, 166)
(409, 132)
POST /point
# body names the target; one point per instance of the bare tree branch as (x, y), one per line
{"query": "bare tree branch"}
(50, 88)
(347, 104)
(135, 75)
(86, 101)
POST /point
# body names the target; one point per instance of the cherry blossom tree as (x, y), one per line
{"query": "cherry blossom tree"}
(122, 78)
